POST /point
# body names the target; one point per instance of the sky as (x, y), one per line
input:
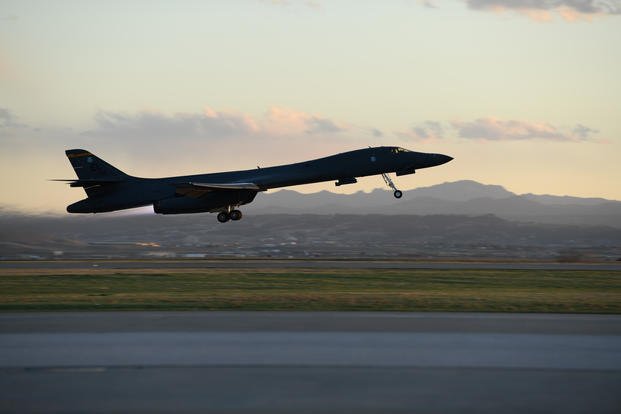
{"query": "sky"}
(523, 94)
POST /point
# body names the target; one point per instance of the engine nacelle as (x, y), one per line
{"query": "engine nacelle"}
(344, 181)
(212, 201)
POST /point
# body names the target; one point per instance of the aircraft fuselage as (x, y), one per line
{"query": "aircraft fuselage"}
(113, 190)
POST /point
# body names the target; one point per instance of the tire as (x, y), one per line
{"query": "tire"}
(398, 194)
(235, 215)
(223, 217)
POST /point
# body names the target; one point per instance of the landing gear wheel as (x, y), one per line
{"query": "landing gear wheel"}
(235, 215)
(223, 217)
(389, 183)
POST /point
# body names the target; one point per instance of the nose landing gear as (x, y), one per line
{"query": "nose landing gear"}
(397, 193)
(229, 214)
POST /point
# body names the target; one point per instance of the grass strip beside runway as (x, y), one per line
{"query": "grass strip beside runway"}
(570, 291)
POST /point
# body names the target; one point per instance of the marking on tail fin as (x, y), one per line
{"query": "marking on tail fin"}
(79, 154)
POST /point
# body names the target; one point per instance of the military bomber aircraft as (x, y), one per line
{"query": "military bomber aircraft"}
(109, 189)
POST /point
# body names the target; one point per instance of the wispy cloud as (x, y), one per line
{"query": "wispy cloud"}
(286, 121)
(428, 130)
(157, 125)
(9, 120)
(279, 123)
(211, 124)
(584, 132)
(543, 10)
(493, 129)
(498, 130)
(322, 126)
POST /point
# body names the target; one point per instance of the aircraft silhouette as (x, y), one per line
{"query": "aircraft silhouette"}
(109, 189)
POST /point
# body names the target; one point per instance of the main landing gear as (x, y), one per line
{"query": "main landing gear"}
(397, 193)
(229, 214)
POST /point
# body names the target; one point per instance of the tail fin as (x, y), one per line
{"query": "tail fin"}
(89, 167)
(96, 176)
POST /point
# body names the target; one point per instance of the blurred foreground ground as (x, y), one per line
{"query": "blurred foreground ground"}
(301, 362)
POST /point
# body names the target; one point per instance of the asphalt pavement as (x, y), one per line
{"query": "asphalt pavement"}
(309, 362)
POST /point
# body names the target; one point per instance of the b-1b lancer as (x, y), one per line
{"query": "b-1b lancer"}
(109, 189)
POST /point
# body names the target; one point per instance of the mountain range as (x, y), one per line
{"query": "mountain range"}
(464, 197)
(462, 219)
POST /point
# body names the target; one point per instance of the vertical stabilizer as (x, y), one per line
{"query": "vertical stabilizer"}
(96, 176)
(90, 167)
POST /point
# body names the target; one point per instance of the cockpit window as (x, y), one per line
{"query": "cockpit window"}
(398, 150)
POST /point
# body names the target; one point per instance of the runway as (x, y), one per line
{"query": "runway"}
(295, 264)
(309, 362)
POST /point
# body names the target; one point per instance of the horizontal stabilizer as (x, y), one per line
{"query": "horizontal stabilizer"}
(88, 182)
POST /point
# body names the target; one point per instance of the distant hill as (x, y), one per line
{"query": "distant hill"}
(462, 191)
(461, 197)
(465, 198)
(462, 219)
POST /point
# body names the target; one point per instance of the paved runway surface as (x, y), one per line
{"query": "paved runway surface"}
(279, 264)
(309, 362)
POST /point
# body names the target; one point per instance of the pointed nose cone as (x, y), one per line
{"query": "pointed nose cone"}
(442, 159)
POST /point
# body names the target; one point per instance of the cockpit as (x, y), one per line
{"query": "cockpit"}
(398, 150)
